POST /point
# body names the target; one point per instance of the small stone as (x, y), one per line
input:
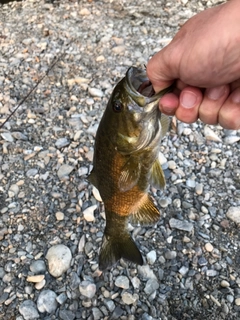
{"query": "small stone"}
(209, 247)
(146, 273)
(87, 289)
(66, 315)
(231, 139)
(38, 266)
(230, 298)
(191, 183)
(46, 301)
(59, 259)
(211, 273)
(59, 215)
(64, 170)
(162, 158)
(122, 282)
(84, 12)
(7, 136)
(31, 172)
(97, 314)
(136, 282)
(88, 213)
(151, 257)
(82, 171)
(172, 165)
(169, 255)
(62, 298)
(151, 286)
(183, 270)
(199, 188)
(28, 310)
(129, 298)
(225, 284)
(110, 305)
(96, 194)
(211, 135)
(181, 225)
(19, 136)
(202, 261)
(62, 142)
(233, 214)
(94, 92)
(35, 279)
(40, 285)
(119, 49)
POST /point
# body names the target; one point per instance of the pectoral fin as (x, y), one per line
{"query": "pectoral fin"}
(147, 212)
(165, 124)
(157, 178)
(130, 174)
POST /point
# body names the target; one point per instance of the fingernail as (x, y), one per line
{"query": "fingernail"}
(188, 99)
(215, 93)
(236, 96)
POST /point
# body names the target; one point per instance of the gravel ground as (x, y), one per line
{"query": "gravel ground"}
(51, 221)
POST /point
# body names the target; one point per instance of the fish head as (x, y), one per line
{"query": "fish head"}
(132, 114)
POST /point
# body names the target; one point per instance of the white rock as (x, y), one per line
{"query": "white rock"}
(46, 301)
(122, 282)
(162, 158)
(35, 279)
(87, 289)
(231, 139)
(84, 12)
(146, 273)
(88, 213)
(233, 214)
(64, 170)
(7, 136)
(129, 298)
(94, 92)
(59, 259)
(28, 310)
(211, 135)
(59, 215)
(209, 247)
(151, 257)
(96, 194)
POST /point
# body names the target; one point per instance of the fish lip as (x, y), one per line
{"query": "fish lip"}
(134, 75)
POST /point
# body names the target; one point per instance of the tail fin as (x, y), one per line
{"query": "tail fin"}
(116, 247)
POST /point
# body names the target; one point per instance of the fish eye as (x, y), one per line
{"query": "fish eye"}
(117, 106)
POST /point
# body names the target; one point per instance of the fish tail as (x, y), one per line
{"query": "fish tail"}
(117, 246)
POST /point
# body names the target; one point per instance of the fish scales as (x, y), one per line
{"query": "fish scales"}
(126, 162)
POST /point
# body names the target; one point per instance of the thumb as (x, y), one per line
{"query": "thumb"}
(159, 72)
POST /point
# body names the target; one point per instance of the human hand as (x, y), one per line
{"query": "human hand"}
(204, 60)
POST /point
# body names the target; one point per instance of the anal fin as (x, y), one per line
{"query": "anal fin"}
(147, 212)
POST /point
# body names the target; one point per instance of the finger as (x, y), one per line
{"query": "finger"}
(159, 71)
(169, 103)
(189, 102)
(212, 102)
(229, 114)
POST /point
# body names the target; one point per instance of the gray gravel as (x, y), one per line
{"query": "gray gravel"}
(192, 255)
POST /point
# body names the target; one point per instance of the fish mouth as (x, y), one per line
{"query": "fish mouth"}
(140, 88)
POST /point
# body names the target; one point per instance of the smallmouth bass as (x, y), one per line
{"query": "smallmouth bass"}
(126, 162)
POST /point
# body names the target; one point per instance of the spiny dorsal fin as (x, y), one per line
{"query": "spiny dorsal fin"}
(157, 178)
(146, 214)
(130, 174)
